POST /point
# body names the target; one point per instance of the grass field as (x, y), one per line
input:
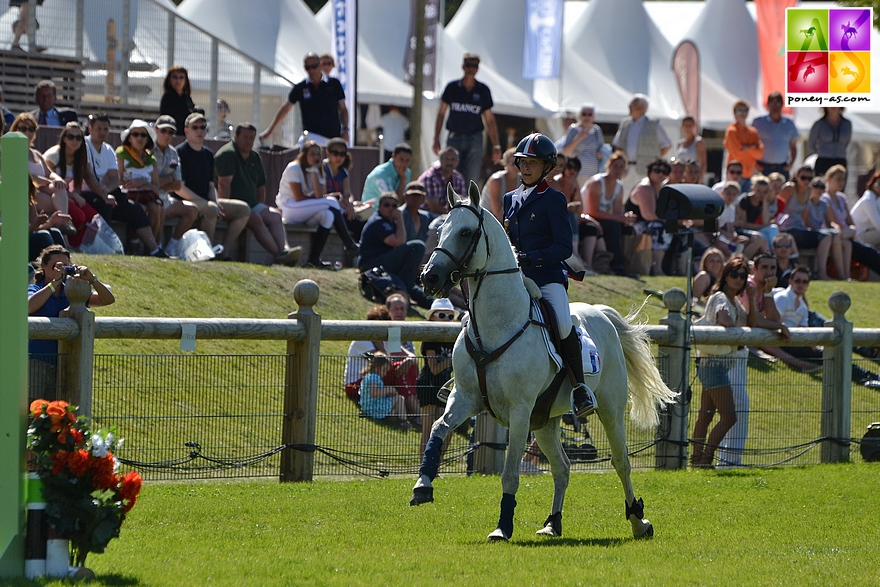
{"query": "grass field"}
(795, 526)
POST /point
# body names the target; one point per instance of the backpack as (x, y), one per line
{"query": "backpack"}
(376, 284)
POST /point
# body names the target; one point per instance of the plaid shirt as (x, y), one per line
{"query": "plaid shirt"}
(435, 184)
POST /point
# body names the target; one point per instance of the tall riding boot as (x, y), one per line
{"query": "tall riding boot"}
(351, 247)
(319, 239)
(582, 396)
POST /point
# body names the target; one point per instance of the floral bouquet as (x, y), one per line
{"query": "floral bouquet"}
(86, 499)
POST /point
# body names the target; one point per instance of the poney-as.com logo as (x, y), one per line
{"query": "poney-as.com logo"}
(828, 57)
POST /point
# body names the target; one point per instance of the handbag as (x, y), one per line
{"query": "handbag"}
(376, 284)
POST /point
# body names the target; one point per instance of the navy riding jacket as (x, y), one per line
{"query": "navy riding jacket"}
(541, 228)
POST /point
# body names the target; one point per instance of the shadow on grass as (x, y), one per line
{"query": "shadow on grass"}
(533, 542)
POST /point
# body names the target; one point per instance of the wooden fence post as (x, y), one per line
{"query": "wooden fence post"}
(837, 383)
(301, 388)
(76, 357)
(488, 460)
(671, 451)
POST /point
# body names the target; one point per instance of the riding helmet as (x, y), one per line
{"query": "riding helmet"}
(536, 146)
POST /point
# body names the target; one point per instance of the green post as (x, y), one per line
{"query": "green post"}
(13, 352)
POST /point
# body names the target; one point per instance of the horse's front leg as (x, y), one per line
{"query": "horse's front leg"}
(551, 445)
(459, 408)
(517, 437)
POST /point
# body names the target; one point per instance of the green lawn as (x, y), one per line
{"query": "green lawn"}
(792, 526)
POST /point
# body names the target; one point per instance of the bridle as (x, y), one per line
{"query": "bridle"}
(477, 352)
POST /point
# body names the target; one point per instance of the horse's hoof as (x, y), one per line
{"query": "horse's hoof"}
(547, 531)
(648, 531)
(422, 495)
(497, 535)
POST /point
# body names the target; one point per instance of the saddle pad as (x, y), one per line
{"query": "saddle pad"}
(538, 316)
(589, 353)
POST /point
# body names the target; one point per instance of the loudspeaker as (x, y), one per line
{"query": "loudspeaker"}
(685, 201)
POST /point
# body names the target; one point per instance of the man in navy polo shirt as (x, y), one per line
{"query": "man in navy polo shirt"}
(469, 103)
(321, 102)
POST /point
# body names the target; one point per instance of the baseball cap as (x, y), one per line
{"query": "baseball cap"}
(166, 121)
(415, 187)
(195, 117)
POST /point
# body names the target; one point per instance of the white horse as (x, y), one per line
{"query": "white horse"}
(474, 246)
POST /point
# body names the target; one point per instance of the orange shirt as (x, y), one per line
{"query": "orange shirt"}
(744, 145)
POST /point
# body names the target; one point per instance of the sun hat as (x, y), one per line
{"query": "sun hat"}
(166, 121)
(442, 305)
(138, 123)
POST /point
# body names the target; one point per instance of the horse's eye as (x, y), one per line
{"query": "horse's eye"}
(466, 232)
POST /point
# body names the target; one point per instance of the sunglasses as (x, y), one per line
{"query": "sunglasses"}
(310, 67)
(782, 245)
(387, 205)
(800, 281)
(337, 153)
(166, 130)
(472, 64)
(137, 135)
(444, 315)
(738, 274)
(805, 177)
(27, 129)
(74, 137)
(660, 170)
(585, 113)
(178, 76)
(742, 110)
(198, 126)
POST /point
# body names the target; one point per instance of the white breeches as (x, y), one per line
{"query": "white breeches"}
(312, 212)
(557, 296)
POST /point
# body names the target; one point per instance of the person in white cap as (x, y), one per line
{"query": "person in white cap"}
(139, 175)
(437, 370)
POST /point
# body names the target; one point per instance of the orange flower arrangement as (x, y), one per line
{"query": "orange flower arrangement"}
(87, 500)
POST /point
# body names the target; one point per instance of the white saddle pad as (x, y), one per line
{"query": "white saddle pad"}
(589, 353)
(538, 316)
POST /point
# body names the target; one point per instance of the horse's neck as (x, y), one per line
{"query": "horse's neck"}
(501, 305)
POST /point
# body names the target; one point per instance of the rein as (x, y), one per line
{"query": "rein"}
(478, 353)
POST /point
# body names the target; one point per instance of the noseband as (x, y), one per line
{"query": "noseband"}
(461, 264)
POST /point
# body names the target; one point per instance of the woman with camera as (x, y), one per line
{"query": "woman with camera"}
(47, 298)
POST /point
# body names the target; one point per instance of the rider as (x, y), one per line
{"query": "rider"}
(536, 220)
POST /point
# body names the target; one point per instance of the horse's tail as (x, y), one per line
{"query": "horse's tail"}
(646, 387)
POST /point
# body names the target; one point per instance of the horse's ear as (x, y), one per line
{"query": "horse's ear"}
(474, 194)
(451, 196)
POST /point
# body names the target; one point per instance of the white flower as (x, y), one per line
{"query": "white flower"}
(99, 448)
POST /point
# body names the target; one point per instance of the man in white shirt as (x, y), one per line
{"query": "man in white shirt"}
(110, 202)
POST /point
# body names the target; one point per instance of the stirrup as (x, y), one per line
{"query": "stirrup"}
(582, 400)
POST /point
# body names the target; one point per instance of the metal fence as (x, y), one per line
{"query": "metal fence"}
(221, 415)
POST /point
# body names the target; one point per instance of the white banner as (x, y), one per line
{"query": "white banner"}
(345, 54)
(543, 39)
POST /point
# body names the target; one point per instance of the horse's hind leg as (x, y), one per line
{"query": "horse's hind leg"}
(635, 508)
(551, 445)
(458, 409)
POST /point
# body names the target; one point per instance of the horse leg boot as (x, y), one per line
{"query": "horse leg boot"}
(319, 239)
(582, 396)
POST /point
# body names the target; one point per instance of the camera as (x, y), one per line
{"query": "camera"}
(70, 270)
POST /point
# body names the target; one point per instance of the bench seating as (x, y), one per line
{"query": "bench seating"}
(250, 251)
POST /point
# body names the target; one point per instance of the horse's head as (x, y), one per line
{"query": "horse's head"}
(461, 250)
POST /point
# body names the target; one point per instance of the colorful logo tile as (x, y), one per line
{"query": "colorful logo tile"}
(850, 72)
(849, 30)
(807, 30)
(807, 72)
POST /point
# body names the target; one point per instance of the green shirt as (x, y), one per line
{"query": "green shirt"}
(247, 174)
